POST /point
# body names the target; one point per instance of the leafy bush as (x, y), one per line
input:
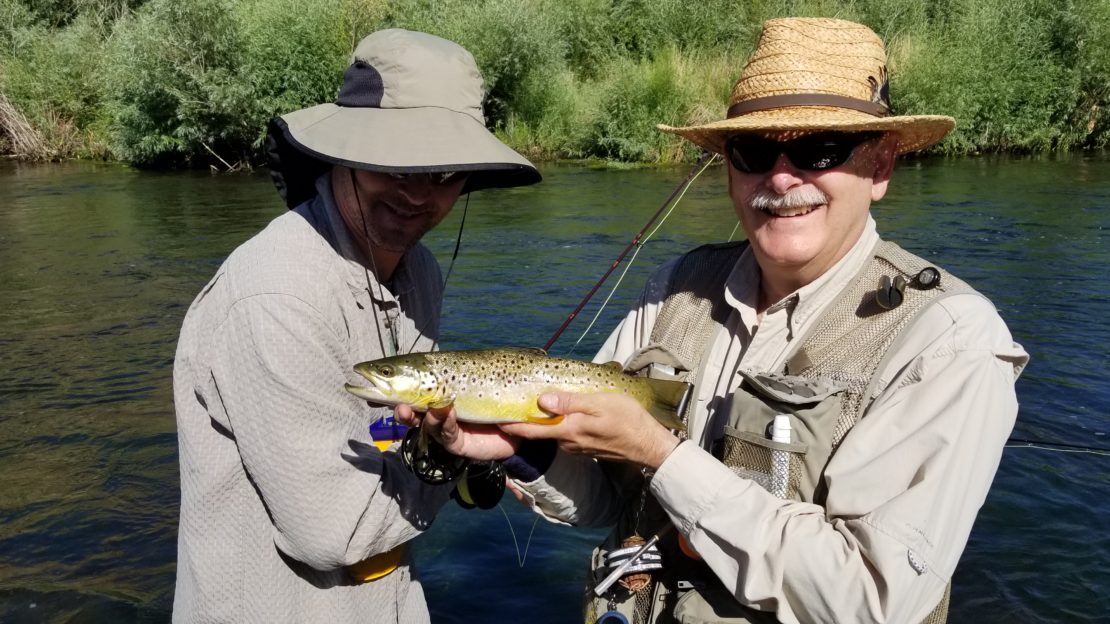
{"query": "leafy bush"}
(170, 83)
(57, 13)
(1091, 61)
(1001, 79)
(672, 88)
(646, 27)
(587, 29)
(560, 131)
(517, 45)
(289, 64)
(15, 21)
(176, 92)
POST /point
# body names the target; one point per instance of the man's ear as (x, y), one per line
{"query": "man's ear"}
(883, 163)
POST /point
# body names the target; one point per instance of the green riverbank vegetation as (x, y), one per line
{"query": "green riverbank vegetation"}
(175, 83)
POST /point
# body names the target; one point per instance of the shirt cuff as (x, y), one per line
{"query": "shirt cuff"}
(532, 459)
(689, 482)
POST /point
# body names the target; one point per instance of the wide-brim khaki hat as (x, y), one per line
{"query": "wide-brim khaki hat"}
(410, 103)
(816, 74)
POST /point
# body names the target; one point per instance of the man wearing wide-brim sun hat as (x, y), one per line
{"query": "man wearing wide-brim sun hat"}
(289, 513)
(809, 75)
(410, 103)
(851, 400)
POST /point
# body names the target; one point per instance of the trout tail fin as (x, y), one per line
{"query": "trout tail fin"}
(670, 401)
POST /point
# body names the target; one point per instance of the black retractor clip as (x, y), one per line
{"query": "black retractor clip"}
(892, 292)
(927, 278)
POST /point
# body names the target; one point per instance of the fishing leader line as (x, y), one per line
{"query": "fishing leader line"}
(1056, 447)
(520, 557)
(639, 244)
(698, 166)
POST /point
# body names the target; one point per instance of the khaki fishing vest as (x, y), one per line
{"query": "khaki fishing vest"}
(826, 387)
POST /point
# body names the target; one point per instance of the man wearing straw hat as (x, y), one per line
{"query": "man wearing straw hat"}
(289, 513)
(851, 400)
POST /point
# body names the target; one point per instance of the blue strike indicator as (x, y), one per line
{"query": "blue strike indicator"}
(387, 431)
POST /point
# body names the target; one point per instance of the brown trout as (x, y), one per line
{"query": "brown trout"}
(503, 385)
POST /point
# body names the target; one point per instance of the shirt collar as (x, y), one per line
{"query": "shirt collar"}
(742, 286)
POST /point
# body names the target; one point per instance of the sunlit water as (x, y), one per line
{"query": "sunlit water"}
(99, 263)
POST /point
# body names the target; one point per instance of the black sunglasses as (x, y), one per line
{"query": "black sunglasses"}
(815, 152)
(435, 177)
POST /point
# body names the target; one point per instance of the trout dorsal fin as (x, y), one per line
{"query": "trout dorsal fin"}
(532, 350)
(615, 365)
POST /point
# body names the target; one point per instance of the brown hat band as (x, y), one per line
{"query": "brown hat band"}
(807, 99)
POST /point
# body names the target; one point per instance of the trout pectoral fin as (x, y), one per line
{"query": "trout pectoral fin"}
(670, 401)
(667, 417)
(441, 403)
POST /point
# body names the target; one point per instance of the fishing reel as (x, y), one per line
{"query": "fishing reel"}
(428, 460)
(480, 483)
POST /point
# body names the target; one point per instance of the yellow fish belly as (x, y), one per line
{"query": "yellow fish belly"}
(490, 409)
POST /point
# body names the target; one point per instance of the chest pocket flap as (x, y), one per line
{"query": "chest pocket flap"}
(813, 406)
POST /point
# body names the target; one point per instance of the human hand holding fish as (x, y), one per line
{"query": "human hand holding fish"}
(606, 426)
(479, 442)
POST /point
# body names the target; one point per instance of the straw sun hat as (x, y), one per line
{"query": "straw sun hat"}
(812, 74)
(410, 103)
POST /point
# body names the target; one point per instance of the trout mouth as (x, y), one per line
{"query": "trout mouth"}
(391, 384)
(380, 390)
(370, 393)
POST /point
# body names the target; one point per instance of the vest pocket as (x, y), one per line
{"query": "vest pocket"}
(791, 469)
(776, 466)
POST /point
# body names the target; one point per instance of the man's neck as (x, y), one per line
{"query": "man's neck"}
(773, 289)
(383, 263)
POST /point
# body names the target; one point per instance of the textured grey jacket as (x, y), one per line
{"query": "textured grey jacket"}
(281, 486)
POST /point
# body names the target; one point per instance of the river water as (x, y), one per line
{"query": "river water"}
(98, 264)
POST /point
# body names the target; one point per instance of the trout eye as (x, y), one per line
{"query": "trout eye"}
(386, 370)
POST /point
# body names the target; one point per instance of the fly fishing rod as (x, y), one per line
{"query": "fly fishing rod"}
(698, 167)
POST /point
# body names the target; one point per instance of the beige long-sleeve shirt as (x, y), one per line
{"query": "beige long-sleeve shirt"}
(904, 487)
(281, 485)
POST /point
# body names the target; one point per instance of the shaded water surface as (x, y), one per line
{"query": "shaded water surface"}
(98, 265)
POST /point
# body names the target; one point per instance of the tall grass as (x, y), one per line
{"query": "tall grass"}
(173, 83)
(56, 86)
(1011, 84)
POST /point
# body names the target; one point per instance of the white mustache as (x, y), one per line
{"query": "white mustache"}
(801, 197)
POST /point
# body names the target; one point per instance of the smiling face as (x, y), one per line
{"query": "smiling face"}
(389, 214)
(801, 222)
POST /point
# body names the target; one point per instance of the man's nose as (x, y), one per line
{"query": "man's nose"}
(417, 188)
(783, 176)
